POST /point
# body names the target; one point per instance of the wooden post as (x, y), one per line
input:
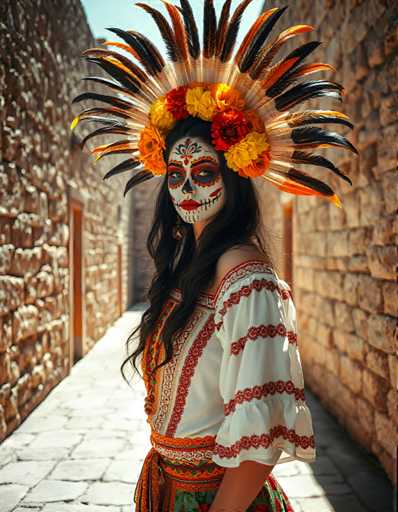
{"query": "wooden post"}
(76, 278)
(288, 242)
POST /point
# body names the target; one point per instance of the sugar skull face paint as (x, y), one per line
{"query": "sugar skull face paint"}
(194, 179)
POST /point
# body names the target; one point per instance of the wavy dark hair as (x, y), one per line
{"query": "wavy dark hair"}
(190, 263)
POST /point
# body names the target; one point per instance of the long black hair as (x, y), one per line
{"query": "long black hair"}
(188, 262)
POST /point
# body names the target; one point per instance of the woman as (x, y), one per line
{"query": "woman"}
(215, 362)
(218, 343)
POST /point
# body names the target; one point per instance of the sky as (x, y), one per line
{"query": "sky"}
(126, 15)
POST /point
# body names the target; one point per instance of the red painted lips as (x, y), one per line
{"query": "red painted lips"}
(189, 204)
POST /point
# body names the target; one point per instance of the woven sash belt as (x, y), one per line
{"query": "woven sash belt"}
(175, 463)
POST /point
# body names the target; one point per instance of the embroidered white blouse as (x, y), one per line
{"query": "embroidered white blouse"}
(237, 373)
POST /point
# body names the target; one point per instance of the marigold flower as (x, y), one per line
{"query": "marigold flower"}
(160, 116)
(175, 102)
(226, 97)
(200, 103)
(151, 146)
(228, 128)
(241, 155)
(257, 166)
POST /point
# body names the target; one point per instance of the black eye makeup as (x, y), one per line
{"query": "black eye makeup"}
(205, 175)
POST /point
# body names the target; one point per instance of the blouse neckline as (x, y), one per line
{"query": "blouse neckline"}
(212, 297)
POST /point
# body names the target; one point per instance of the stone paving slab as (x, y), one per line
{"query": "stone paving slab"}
(81, 450)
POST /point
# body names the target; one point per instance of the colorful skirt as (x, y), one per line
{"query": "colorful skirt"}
(178, 475)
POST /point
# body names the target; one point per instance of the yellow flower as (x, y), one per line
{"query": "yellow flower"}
(160, 116)
(200, 103)
(226, 97)
(151, 148)
(243, 153)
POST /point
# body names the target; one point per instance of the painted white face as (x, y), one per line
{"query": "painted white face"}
(194, 179)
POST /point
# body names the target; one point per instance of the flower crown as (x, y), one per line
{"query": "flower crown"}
(238, 132)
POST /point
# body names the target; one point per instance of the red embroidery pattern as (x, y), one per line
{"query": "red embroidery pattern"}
(187, 372)
(269, 388)
(169, 375)
(245, 291)
(238, 272)
(203, 298)
(264, 331)
(151, 356)
(265, 440)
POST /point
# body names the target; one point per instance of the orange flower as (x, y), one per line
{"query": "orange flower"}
(226, 97)
(151, 148)
(255, 120)
(257, 166)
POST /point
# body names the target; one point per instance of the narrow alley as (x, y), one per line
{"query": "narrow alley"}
(82, 448)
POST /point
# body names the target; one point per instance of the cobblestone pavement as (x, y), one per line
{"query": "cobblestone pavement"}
(82, 448)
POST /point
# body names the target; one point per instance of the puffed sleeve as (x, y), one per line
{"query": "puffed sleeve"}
(266, 418)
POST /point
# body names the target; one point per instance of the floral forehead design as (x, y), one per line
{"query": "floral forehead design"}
(187, 149)
(248, 96)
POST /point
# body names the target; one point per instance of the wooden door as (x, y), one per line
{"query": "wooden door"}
(76, 295)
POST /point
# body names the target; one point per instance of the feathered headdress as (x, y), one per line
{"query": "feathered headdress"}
(247, 97)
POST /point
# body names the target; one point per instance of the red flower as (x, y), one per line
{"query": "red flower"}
(204, 507)
(175, 102)
(228, 128)
(261, 508)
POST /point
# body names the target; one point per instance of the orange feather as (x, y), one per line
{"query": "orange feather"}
(278, 72)
(124, 47)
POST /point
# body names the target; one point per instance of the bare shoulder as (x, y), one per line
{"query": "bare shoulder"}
(234, 257)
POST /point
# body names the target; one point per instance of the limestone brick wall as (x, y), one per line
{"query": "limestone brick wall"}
(143, 199)
(345, 260)
(41, 169)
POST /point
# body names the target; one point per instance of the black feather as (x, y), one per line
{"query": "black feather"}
(154, 54)
(107, 121)
(108, 83)
(123, 78)
(312, 117)
(138, 178)
(103, 110)
(309, 181)
(305, 91)
(165, 30)
(191, 29)
(131, 163)
(209, 29)
(300, 53)
(232, 31)
(222, 26)
(310, 135)
(258, 41)
(105, 129)
(300, 157)
(116, 152)
(102, 53)
(148, 60)
(111, 100)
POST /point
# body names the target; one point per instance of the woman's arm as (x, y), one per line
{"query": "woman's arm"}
(240, 486)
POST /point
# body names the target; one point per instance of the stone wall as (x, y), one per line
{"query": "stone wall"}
(143, 200)
(345, 260)
(41, 169)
